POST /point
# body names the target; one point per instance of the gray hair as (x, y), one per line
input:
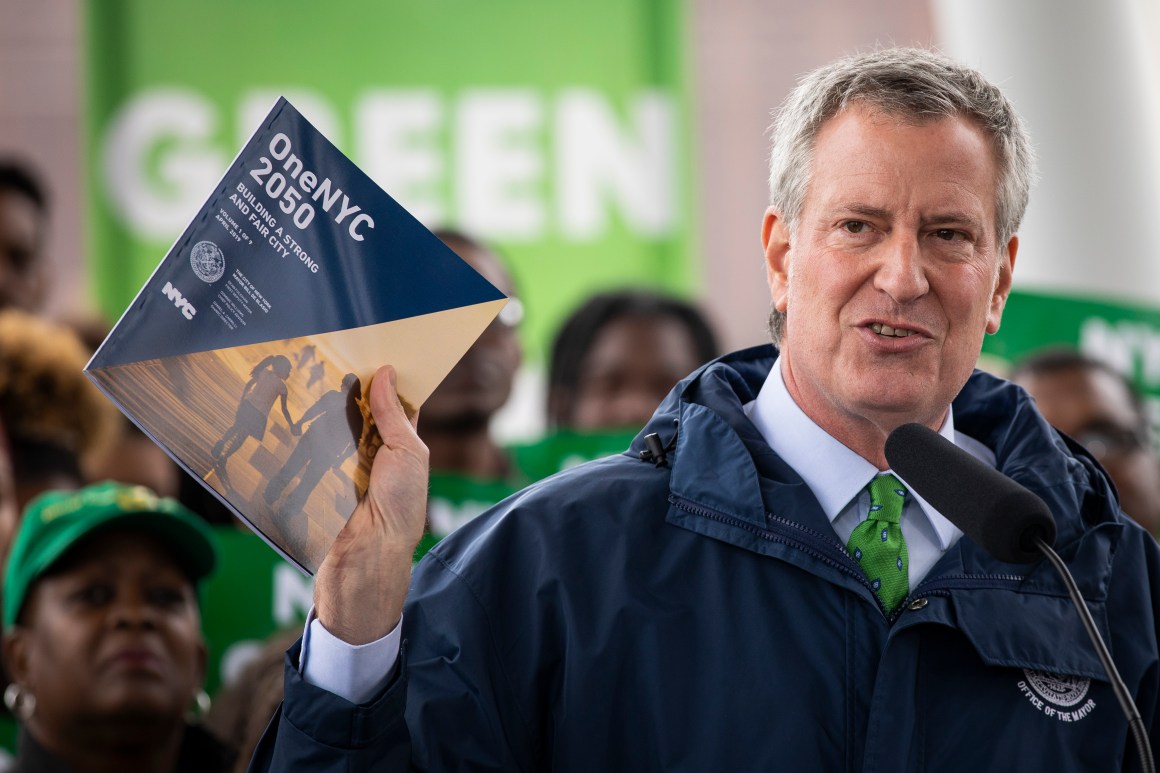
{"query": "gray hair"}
(912, 83)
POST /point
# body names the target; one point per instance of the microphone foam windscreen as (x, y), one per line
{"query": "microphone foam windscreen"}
(1000, 515)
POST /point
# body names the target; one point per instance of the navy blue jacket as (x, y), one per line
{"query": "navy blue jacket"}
(703, 616)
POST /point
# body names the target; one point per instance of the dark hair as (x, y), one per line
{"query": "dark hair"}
(1059, 359)
(15, 176)
(578, 332)
(42, 463)
(44, 396)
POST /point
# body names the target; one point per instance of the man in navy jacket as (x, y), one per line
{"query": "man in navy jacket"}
(701, 602)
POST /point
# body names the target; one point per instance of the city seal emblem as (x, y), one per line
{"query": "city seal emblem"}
(1058, 689)
(207, 261)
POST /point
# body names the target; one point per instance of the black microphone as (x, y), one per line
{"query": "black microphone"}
(1006, 520)
(1001, 516)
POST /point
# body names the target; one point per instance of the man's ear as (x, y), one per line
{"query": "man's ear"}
(1002, 286)
(775, 243)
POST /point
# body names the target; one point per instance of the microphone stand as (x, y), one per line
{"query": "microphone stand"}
(1135, 722)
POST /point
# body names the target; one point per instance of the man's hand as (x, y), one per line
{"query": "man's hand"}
(360, 588)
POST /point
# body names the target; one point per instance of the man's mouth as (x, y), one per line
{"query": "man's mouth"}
(886, 330)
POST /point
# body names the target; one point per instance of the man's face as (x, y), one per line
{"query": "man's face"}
(892, 276)
(22, 279)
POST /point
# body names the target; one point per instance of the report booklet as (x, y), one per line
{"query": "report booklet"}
(248, 353)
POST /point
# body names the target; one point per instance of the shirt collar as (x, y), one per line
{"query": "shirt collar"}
(833, 472)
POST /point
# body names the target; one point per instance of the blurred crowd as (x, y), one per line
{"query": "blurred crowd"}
(110, 549)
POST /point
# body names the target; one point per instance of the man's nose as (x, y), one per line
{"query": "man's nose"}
(901, 273)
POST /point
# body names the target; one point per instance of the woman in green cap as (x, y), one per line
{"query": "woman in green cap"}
(102, 633)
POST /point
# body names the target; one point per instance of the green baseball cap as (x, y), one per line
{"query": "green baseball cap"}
(56, 521)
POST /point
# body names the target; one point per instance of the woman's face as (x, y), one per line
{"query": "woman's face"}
(112, 632)
(632, 364)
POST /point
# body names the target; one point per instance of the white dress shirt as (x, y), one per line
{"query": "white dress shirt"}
(836, 475)
(355, 672)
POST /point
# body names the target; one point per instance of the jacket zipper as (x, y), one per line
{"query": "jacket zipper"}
(836, 555)
(942, 586)
(827, 551)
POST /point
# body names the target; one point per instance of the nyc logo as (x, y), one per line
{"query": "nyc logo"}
(179, 300)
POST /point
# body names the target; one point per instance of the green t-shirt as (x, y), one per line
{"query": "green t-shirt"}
(567, 448)
(456, 499)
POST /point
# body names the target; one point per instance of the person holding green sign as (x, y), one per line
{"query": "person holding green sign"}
(751, 587)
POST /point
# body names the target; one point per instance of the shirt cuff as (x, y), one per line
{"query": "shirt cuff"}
(355, 672)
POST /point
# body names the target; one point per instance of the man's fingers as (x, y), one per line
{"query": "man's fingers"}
(386, 405)
(361, 586)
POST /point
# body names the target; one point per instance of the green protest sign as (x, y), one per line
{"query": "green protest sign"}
(253, 594)
(1125, 335)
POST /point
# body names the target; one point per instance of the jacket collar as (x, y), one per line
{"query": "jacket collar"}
(721, 463)
(705, 414)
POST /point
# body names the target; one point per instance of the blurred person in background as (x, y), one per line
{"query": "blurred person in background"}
(131, 456)
(613, 360)
(470, 469)
(23, 227)
(242, 709)
(102, 633)
(134, 458)
(57, 421)
(618, 354)
(455, 422)
(1092, 403)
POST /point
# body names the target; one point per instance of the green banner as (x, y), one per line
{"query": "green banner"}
(1125, 335)
(555, 131)
(253, 594)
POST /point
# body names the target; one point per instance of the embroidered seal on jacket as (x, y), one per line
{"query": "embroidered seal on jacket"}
(1056, 694)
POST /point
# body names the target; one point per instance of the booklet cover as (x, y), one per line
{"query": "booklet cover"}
(247, 355)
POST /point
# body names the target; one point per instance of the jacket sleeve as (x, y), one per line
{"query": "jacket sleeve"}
(318, 731)
(453, 704)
